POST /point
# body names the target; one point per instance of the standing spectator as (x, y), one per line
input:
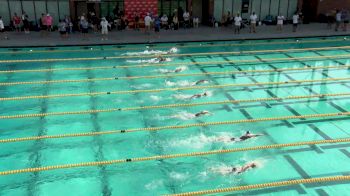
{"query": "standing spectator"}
(148, 21)
(164, 21)
(295, 21)
(337, 20)
(136, 21)
(238, 23)
(26, 25)
(62, 28)
(49, 21)
(2, 28)
(186, 17)
(280, 20)
(253, 19)
(195, 22)
(345, 19)
(84, 25)
(175, 22)
(228, 18)
(157, 24)
(43, 25)
(16, 22)
(224, 20)
(104, 28)
(69, 24)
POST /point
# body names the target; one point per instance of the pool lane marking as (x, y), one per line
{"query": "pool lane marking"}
(167, 55)
(172, 106)
(177, 46)
(150, 129)
(171, 156)
(266, 185)
(180, 64)
(170, 89)
(172, 75)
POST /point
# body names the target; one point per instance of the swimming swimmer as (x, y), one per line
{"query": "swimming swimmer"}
(244, 137)
(249, 135)
(151, 52)
(177, 70)
(196, 96)
(226, 170)
(244, 168)
(189, 116)
(200, 82)
(202, 113)
(159, 59)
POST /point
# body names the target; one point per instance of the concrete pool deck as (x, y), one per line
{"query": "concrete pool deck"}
(201, 34)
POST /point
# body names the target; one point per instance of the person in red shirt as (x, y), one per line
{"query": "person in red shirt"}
(16, 22)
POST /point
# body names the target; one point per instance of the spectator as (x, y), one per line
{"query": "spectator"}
(186, 17)
(175, 22)
(164, 21)
(148, 21)
(43, 25)
(16, 22)
(104, 28)
(26, 25)
(238, 23)
(345, 19)
(280, 19)
(224, 20)
(195, 22)
(136, 21)
(157, 24)
(337, 20)
(253, 19)
(62, 28)
(48, 20)
(69, 24)
(2, 28)
(295, 21)
(228, 18)
(84, 25)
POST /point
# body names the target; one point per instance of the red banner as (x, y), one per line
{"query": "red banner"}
(142, 7)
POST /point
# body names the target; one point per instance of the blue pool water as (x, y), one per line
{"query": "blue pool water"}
(241, 64)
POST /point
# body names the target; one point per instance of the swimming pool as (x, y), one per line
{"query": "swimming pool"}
(118, 119)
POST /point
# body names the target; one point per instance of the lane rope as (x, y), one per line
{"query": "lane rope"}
(178, 46)
(266, 60)
(266, 185)
(170, 106)
(276, 71)
(150, 129)
(171, 156)
(170, 89)
(141, 56)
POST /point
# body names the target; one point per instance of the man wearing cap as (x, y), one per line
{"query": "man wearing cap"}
(49, 21)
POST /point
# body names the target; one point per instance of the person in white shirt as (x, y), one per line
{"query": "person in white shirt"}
(164, 20)
(186, 17)
(295, 21)
(104, 28)
(253, 19)
(337, 20)
(148, 21)
(2, 27)
(238, 23)
(280, 20)
(195, 22)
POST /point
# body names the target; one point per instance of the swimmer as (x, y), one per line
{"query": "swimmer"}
(202, 113)
(244, 137)
(196, 96)
(200, 82)
(249, 135)
(151, 61)
(245, 168)
(189, 116)
(150, 52)
(177, 70)
(225, 170)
